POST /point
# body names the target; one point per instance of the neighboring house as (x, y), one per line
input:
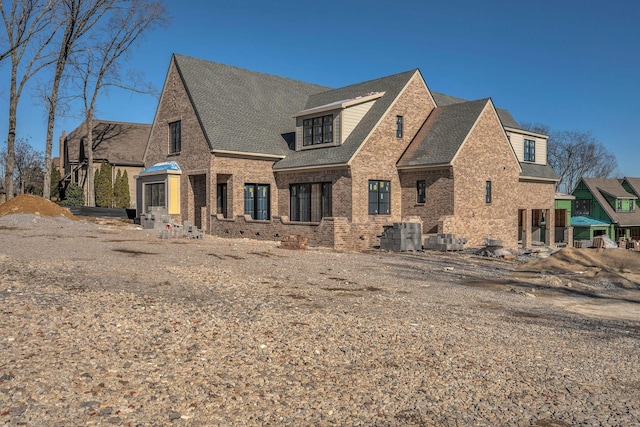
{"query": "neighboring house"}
(120, 144)
(263, 156)
(563, 218)
(607, 206)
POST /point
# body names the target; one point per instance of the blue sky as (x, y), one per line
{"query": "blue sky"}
(573, 65)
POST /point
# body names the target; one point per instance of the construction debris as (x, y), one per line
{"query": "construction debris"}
(444, 242)
(402, 236)
(294, 242)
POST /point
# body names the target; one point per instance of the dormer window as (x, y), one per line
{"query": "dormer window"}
(529, 150)
(318, 130)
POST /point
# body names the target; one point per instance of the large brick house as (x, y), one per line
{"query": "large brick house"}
(264, 156)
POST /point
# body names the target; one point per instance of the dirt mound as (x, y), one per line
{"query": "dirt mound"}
(30, 204)
(602, 264)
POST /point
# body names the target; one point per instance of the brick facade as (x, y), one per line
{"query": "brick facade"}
(377, 157)
(485, 156)
(439, 196)
(194, 157)
(455, 194)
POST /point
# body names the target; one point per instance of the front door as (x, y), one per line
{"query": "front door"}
(199, 202)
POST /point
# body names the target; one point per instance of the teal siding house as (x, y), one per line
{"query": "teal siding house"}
(606, 206)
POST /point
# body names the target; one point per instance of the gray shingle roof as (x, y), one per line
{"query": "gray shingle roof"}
(442, 134)
(634, 183)
(506, 118)
(242, 110)
(614, 187)
(340, 155)
(533, 170)
(119, 143)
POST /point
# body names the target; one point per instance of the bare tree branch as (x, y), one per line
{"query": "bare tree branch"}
(79, 17)
(97, 68)
(24, 23)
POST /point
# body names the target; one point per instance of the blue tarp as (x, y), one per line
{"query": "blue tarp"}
(162, 167)
(587, 221)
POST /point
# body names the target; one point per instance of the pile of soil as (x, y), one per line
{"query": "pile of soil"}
(619, 265)
(36, 205)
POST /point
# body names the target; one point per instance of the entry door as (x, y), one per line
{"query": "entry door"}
(199, 191)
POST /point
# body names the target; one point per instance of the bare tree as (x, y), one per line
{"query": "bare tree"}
(28, 168)
(575, 154)
(99, 67)
(28, 23)
(23, 20)
(78, 17)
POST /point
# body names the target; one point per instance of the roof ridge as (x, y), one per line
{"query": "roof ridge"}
(246, 70)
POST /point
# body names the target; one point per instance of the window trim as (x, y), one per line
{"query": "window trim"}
(529, 150)
(175, 137)
(378, 195)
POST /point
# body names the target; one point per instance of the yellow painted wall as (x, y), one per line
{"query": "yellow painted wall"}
(174, 194)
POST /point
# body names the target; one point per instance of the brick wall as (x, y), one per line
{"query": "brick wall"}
(194, 157)
(486, 156)
(237, 172)
(340, 188)
(242, 226)
(439, 196)
(377, 160)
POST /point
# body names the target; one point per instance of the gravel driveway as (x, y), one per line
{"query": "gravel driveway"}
(105, 324)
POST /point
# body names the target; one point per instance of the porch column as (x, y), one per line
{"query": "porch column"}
(550, 223)
(526, 228)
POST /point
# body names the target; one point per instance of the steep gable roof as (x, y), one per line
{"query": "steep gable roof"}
(442, 134)
(601, 186)
(392, 86)
(505, 116)
(240, 110)
(120, 143)
(634, 183)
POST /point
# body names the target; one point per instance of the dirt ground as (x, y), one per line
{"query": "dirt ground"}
(30, 204)
(594, 282)
(105, 323)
